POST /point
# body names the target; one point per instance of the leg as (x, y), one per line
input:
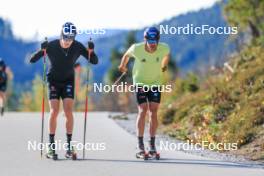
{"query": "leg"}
(142, 111)
(54, 105)
(154, 97)
(2, 98)
(2, 102)
(153, 107)
(68, 108)
(54, 111)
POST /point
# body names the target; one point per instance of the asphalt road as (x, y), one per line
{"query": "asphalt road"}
(17, 130)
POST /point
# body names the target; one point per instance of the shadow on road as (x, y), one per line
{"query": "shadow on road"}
(172, 161)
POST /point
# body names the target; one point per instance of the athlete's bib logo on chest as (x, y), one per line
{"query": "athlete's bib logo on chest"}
(143, 60)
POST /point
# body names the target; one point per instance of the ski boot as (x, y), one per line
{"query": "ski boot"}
(71, 154)
(141, 154)
(152, 153)
(51, 154)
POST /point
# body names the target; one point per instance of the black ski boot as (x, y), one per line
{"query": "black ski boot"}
(141, 154)
(71, 153)
(152, 153)
(51, 153)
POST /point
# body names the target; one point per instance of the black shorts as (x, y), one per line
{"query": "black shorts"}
(2, 87)
(61, 90)
(144, 96)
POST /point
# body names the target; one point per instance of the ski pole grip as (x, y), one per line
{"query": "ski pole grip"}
(90, 47)
(45, 51)
(46, 40)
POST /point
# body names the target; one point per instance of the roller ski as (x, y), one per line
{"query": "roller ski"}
(142, 154)
(153, 155)
(71, 154)
(51, 154)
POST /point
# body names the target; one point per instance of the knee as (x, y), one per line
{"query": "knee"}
(68, 112)
(142, 110)
(54, 112)
(153, 111)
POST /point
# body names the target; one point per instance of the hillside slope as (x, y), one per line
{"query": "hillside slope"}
(228, 107)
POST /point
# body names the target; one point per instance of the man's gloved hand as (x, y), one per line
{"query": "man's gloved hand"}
(44, 45)
(90, 45)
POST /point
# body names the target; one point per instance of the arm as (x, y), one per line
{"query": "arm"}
(36, 56)
(93, 59)
(129, 53)
(123, 64)
(165, 62)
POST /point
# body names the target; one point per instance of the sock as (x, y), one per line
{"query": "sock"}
(52, 141)
(140, 142)
(152, 141)
(69, 138)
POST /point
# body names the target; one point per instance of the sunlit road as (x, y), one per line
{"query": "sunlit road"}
(118, 158)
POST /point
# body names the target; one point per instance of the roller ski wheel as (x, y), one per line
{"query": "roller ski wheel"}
(153, 155)
(142, 155)
(71, 154)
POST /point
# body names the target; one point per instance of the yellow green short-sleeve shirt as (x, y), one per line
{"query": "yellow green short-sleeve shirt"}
(147, 67)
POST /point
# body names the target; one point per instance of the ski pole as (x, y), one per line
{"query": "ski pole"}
(86, 100)
(119, 78)
(43, 97)
(86, 109)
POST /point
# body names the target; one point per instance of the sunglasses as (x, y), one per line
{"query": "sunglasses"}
(67, 39)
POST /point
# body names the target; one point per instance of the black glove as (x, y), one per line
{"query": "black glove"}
(90, 45)
(44, 45)
(92, 55)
